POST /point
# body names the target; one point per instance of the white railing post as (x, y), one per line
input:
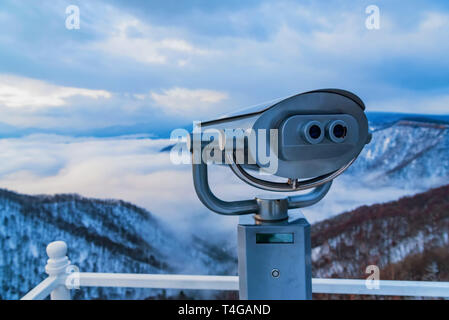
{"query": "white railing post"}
(57, 266)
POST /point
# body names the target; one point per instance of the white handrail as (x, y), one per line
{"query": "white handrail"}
(59, 282)
(42, 290)
(194, 282)
(385, 288)
(336, 286)
(160, 281)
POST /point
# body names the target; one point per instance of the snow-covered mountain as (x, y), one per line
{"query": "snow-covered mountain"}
(407, 239)
(103, 236)
(406, 151)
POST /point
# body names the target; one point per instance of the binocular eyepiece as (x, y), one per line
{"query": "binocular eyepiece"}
(315, 131)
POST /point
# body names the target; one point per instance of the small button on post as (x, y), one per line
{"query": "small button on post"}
(275, 273)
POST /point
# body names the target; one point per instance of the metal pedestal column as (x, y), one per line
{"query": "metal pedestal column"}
(274, 257)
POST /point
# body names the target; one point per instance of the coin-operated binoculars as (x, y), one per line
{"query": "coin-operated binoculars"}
(307, 140)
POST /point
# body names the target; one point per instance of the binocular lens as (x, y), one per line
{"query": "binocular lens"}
(337, 131)
(315, 132)
(340, 131)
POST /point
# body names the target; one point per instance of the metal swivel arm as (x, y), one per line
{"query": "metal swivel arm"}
(310, 198)
(205, 194)
(202, 188)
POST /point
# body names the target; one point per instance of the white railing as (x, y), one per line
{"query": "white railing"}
(63, 277)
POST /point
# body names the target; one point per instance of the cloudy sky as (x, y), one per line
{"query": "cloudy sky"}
(67, 96)
(161, 64)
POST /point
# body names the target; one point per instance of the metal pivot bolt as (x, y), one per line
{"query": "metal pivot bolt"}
(275, 273)
(272, 208)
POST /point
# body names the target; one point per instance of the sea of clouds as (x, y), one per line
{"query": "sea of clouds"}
(133, 168)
